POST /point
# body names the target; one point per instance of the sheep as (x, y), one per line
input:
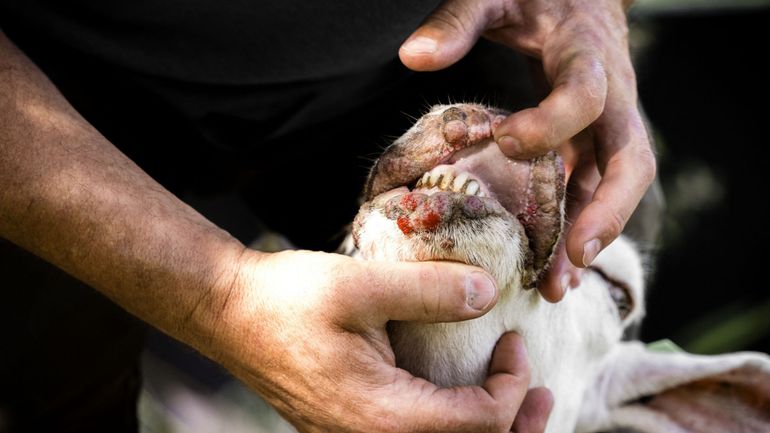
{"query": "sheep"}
(444, 191)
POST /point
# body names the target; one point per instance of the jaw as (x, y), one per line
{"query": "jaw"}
(496, 242)
(432, 198)
(476, 192)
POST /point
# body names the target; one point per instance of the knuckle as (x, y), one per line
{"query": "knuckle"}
(590, 82)
(594, 98)
(442, 293)
(429, 279)
(615, 224)
(626, 74)
(450, 18)
(522, 378)
(489, 418)
(547, 137)
(537, 141)
(501, 422)
(429, 275)
(646, 164)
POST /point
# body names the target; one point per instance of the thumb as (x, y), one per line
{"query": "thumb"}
(446, 35)
(427, 292)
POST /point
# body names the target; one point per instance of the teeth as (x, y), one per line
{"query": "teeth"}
(472, 188)
(459, 182)
(443, 178)
(435, 175)
(446, 181)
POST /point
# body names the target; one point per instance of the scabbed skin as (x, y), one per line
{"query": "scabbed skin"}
(432, 140)
(507, 224)
(445, 192)
(461, 136)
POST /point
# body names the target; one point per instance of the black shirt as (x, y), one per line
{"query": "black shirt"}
(236, 73)
(225, 42)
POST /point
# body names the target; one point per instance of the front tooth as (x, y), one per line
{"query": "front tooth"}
(472, 188)
(425, 179)
(446, 181)
(437, 174)
(459, 181)
(434, 175)
(423, 182)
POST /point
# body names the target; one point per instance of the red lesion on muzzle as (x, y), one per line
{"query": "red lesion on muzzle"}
(425, 222)
(415, 215)
(530, 191)
(415, 212)
(419, 212)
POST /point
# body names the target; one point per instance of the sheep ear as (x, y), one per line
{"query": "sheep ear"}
(651, 392)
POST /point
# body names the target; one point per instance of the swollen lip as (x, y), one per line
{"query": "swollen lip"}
(383, 198)
(496, 176)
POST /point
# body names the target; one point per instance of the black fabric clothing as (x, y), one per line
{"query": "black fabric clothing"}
(280, 65)
(283, 104)
(68, 361)
(232, 42)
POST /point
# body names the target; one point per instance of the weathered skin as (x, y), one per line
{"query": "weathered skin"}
(460, 137)
(431, 141)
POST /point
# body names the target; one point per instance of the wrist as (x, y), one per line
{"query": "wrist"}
(220, 297)
(241, 328)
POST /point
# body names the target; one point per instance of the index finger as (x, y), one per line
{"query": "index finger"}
(627, 164)
(577, 100)
(619, 192)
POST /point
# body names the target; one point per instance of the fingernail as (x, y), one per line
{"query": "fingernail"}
(420, 45)
(480, 290)
(509, 145)
(590, 251)
(566, 282)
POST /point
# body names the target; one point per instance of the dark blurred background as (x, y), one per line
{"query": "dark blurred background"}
(704, 85)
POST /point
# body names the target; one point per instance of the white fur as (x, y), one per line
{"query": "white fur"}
(566, 341)
(574, 346)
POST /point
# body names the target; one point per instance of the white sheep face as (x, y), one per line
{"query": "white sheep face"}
(470, 203)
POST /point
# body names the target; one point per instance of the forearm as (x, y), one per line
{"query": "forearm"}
(72, 198)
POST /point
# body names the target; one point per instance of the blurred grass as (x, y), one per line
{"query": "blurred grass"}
(728, 329)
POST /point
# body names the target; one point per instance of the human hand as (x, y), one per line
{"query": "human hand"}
(584, 56)
(307, 331)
